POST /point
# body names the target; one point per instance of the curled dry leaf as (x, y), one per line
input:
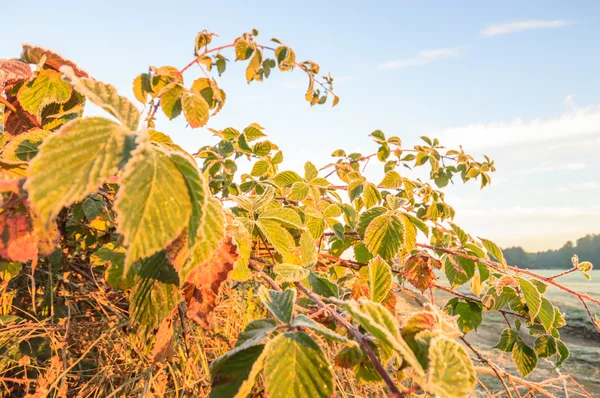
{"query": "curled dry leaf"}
(203, 282)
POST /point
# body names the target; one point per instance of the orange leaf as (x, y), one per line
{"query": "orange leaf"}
(18, 241)
(163, 342)
(418, 270)
(203, 283)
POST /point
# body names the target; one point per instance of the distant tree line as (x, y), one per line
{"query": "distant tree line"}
(587, 248)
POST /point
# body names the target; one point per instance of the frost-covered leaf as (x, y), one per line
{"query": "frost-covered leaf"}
(545, 346)
(451, 372)
(380, 279)
(153, 204)
(195, 109)
(74, 162)
(508, 339)
(494, 250)
(276, 235)
(296, 368)
(280, 304)
(524, 358)
(385, 235)
(303, 321)
(378, 321)
(290, 272)
(546, 314)
(532, 297)
(106, 97)
(47, 88)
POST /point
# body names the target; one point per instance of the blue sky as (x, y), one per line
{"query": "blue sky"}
(519, 81)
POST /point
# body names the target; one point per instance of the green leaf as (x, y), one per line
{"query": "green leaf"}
(378, 136)
(284, 216)
(470, 316)
(47, 88)
(114, 259)
(308, 251)
(563, 352)
(260, 168)
(106, 97)
(378, 321)
(299, 191)
(380, 279)
(304, 321)
(524, 358)
(297, 368)
(546, 314)
(262, 148)
(280, 304)
(532, 297)
(234, 375)
(255, 332)
(494, 250)
(206, 211)
(367, 216)
(286, 178)
(275, 234)
(153, 204)
(310, 171)
(391, 180)
(508, 339)
(371, 195)
(385, 235)
(24, 147)
(155, 293)
(74, 162)
(195, 109)
(290, 272)
(142, 87)
(170, 100)
(545, 346)
(322, 286)
(451, 372)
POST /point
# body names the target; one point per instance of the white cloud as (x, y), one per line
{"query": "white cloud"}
(513, 27)
(424, 57)
(579, 122)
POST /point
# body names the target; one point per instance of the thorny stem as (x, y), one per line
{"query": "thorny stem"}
(563, 273)
(358, 336)
(351, 328)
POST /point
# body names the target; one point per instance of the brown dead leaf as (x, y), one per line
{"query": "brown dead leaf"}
(203, 282)
(178, 252)
(418, 270)
(163, 344)
(13, 70)
(34, 54)
(13, 122)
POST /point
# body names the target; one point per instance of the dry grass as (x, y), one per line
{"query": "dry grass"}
(88, 348)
